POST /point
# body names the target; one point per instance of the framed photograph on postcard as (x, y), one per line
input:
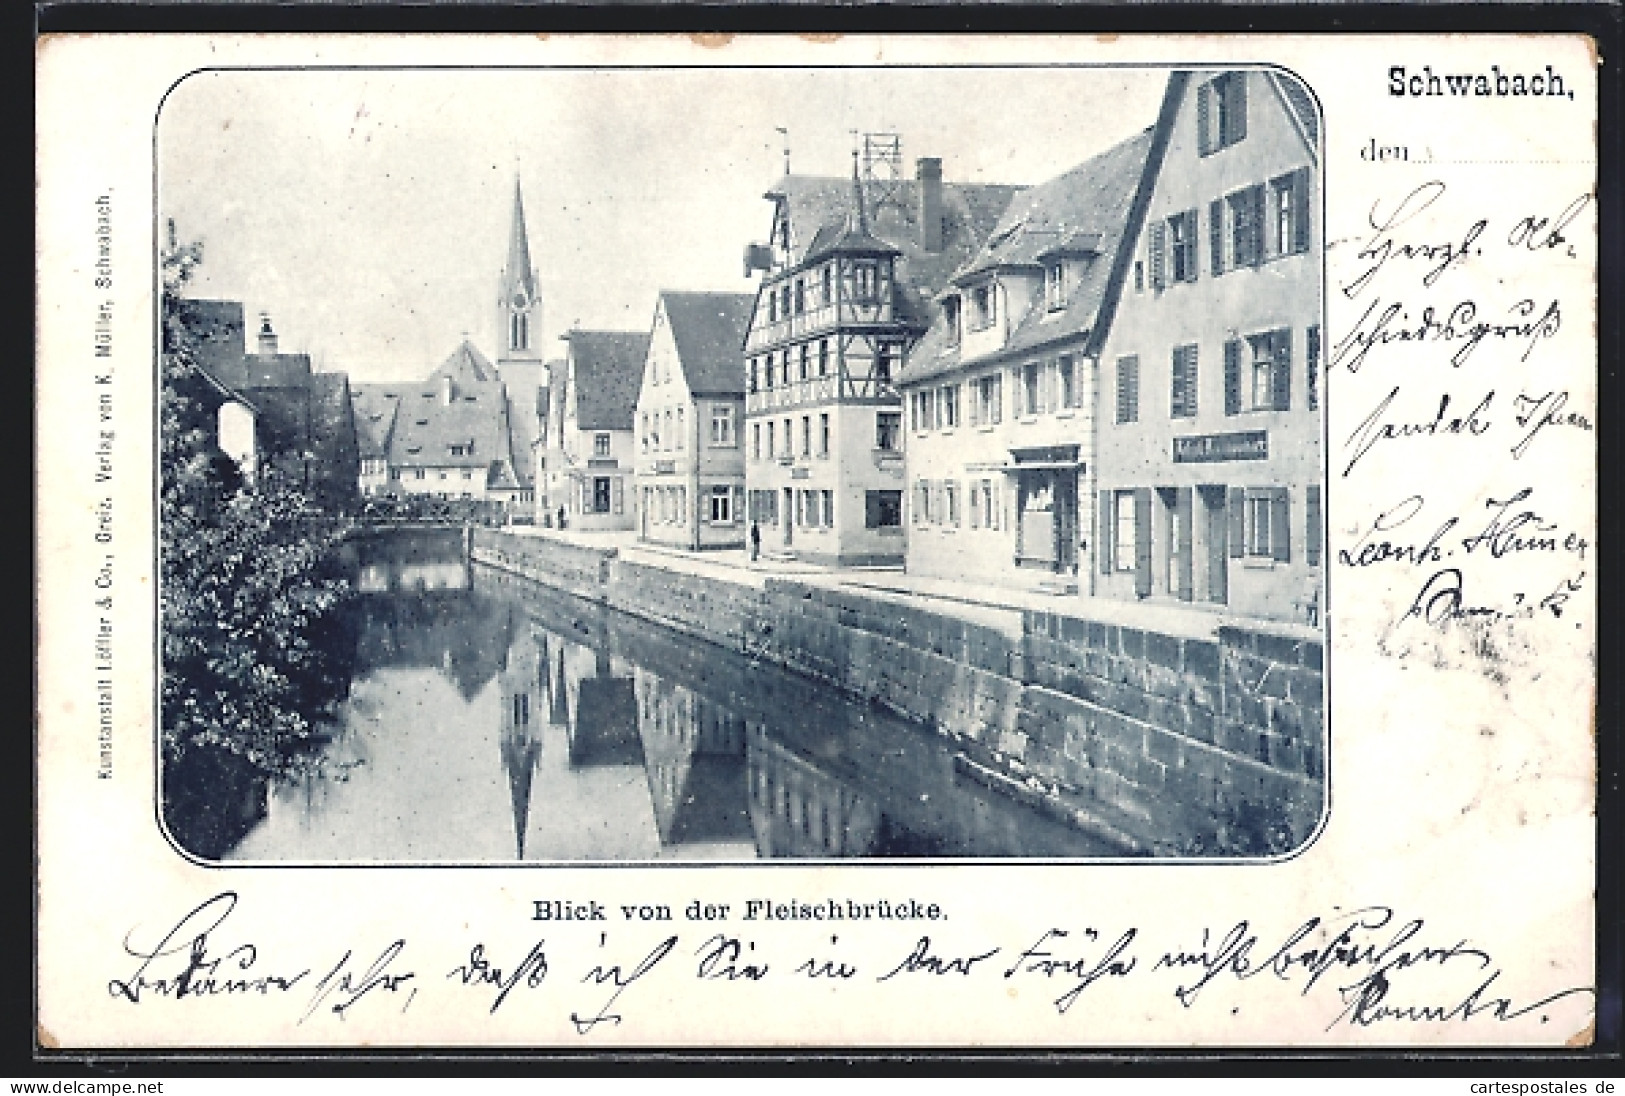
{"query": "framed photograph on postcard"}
(590, 542)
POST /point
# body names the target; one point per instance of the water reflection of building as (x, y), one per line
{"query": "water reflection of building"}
(797, 809)
(442, 625)
(600, 711)
(694, 755)
(523, 685)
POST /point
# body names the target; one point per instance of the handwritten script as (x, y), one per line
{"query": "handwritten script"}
(1359, 967)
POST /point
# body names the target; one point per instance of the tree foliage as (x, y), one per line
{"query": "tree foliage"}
(253, 644)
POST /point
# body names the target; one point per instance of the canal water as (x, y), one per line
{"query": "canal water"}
(490, 719)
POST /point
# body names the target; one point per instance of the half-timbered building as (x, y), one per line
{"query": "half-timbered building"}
(846, 291)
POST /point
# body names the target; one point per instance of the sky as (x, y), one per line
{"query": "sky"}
(368, 211)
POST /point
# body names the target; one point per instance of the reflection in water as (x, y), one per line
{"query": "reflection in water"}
(494, 719)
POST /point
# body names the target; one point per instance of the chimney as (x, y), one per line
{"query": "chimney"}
(928, 170)
(267, 336)
(446, 391)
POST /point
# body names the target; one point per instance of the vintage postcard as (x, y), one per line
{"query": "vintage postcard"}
(725, 542)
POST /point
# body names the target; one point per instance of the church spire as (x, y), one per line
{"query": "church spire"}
(519, 305)
(518, 273)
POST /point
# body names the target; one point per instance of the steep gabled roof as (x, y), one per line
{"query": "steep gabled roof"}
(1086, 210)
(466, 364)
(818, 207)
(332, 425)
(709, 330)
(217, 327)
(270, 371)
(1300, 107)
(426, 427)
(608, 374)
(375, 407)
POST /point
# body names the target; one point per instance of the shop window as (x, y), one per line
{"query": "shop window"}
(882, 509)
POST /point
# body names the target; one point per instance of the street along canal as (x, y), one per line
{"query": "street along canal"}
(492, 719)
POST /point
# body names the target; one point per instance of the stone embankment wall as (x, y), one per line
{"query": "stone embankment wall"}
(1170, 745)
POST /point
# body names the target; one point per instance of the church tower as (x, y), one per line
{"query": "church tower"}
(519, 303)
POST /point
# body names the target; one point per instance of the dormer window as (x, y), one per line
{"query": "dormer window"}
(950, 318)
(772, 306)
(984, 309)
(1055, 285)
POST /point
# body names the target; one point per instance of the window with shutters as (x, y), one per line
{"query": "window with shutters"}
(1217, 237)
(1246, 215)
(1184, 383)
(1156, 254)
(1221, 112)
(1312, 367)
(1258, 523)
(1182, 246)
(1128, 388)
(1262, 524)
(1269, 385)
(1124, 547)
(1312, 518)
(1289, 213)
